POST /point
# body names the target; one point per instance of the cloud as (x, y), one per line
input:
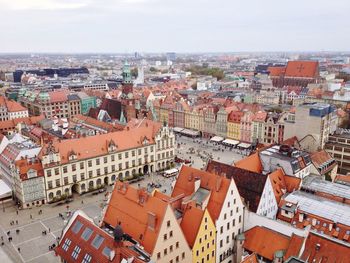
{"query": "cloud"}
(42, 4)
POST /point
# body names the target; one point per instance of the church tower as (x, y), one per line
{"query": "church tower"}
(127, 90)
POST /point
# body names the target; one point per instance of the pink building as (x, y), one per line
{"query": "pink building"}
(246, 126)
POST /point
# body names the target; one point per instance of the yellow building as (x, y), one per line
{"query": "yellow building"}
(199, 230)
(234, 125)
(163, 115)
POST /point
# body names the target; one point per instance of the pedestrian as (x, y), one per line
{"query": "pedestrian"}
(31, 217)
(8, 233)
(16, 222)
(17, 212)
(2, 238)
(19, 250)
(82, 202)
(49, 230)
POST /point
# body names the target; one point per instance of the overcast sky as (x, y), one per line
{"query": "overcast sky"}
(174, 25)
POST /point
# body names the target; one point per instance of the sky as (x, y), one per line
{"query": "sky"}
(118, 26)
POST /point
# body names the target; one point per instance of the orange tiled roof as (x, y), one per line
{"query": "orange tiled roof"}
(276, 71)
(322, 249)
(125, 208)
(24, 166)
(294, 247)
(342, 178)
(306, 69)
(185, 184)
(251, 163)
(320, 157)
(265, 242)
(11, 124)
(190, 223)
(93, 146)
(13, 106)
(250, 259)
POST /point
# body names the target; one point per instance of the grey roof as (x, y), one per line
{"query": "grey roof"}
(73, 97)
(317, 184)
(200, 195)
(316, 205)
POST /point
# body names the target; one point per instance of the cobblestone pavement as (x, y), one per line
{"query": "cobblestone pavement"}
(206, 149)
(33, 244)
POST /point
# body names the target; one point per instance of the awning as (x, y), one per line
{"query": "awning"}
(178, 129)
(230, 142)
(5, 191)
(190, 132)
(216, 139)
(244, 145)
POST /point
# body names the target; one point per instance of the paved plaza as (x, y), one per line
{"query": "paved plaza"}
(34, 246)
(204, 149)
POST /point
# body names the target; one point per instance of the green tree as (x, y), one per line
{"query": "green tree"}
(153, 69)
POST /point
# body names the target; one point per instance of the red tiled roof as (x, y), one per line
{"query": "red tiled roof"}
(190, 223)
(185, 184)
(251, 163)
(125, 208)
(265, 242)
(322, 249)
(305, 69)
(25, 165)
(276, 71)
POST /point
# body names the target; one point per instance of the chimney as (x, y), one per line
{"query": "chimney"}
(151, 222)
(218, 183)
(313, 222)
(330, 226)
(301, 217)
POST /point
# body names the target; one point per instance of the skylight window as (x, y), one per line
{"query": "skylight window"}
(96, 243)
(77, 226)
(107, 251)
(86, 234)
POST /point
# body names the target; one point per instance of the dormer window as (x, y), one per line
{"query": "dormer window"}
(145, 141)
(112, 147)
(72, 156)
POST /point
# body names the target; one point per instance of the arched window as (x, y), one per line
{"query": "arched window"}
(83, 187)
(50, 195)
(98, 181)
(58, 193)
(113, 177)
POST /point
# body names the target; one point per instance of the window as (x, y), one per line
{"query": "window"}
(171, 233)
(133, 153)
(90, 174)
(48, 172)
(106, 170)
(98, 172)
(228, 204)
(221, 243)
(96, 243)
(158, 255)
(233, 222)
(74, 178)
(183, 255)
(57, 171)
(113, 168)
(177, 258)
(105, 159)
(225, 216)
(58, 182)
(228, 225)
(77, 226)
(171, 248)
(86, 234)
(64, 169)
(74, 167)
(221, 230)
(240, 219)
(120, 156)
(107, 251)
(165, 237)
(168, 223)
(126, 155)
(82, 176)
(87, 259)
(49, 184)
(90, 165)
(98, 161)
(76, 252)
(66, 244)
(227, 239)
(112, 158)
(81, 165)
(165, 252)
(177, 244)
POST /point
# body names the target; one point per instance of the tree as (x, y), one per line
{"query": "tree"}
(194, 86)
(153, 69)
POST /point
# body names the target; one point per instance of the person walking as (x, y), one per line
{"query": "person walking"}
(19, 250)
(31, 217)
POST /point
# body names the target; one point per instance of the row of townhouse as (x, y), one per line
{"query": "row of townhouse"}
(199, 222)
(249, 123)
(87, 163)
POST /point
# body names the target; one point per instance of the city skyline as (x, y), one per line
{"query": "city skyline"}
(87, 26)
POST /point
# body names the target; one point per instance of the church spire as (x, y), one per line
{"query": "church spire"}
(126, 73)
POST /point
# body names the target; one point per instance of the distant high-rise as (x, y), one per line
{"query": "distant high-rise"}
(171, 56)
